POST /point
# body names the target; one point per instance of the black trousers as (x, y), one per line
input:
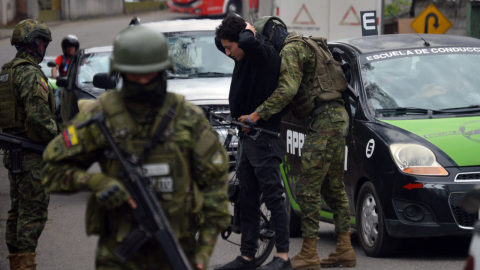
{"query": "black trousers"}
(259, 172)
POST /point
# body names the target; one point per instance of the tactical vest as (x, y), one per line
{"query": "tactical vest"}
(167, 166)
(329, 80)
(12, 111)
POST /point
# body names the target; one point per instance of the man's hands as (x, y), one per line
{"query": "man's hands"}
(251, 28)
(254, 117)
(110, 192)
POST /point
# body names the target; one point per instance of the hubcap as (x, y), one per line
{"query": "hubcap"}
(369, 220)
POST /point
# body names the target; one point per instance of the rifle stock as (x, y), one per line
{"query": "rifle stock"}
(152, 223)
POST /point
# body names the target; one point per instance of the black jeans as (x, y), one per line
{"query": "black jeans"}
(259, 172)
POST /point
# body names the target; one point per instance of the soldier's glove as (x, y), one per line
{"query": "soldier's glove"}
(110, 193)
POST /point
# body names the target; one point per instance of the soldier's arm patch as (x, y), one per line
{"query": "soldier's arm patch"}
(41, 90)
(70, 136)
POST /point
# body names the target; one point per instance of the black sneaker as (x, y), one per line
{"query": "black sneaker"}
(277, 263)
(239, 263)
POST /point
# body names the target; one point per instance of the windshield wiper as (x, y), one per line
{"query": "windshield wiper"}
(463, 108)
(405, 110)
(413, 110)
(211, 74)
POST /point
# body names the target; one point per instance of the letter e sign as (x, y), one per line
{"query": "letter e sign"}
(369, 23)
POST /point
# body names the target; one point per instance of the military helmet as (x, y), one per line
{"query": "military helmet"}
(261, 22)
(27, 30)
(70, 40)
(139, 49)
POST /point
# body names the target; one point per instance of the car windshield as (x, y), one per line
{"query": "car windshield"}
(432, 79)
(195, 55)
(91, 64)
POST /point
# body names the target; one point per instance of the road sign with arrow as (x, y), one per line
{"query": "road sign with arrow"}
(431, 21)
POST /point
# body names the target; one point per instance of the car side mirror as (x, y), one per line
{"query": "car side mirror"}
(103, 81)
(62, 82)
(51, 64)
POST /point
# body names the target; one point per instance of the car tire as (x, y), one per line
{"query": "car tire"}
(372, 232)
(234, 6)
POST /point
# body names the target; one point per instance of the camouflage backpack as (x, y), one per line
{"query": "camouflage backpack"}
(329, 83)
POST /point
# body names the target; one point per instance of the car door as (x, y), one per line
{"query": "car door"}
(68, 98)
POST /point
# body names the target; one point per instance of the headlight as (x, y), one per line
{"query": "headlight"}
(416, 159)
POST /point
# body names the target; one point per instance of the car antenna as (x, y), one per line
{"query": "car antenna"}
(134, 21)
(426, 42)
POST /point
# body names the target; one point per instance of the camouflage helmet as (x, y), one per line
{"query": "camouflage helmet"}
(261, 22)
(27, 30)
(140, 50)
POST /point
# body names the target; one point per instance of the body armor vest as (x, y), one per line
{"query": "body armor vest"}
(329, 80)
(12, 111)
(167, 166)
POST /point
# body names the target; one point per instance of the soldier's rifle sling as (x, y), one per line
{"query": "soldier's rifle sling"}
(152, 222)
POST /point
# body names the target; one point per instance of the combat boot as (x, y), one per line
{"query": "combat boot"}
(343, 255)
(308, 258)
(14, 261)
(27, 261)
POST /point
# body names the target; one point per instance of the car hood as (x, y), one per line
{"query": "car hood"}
(458, 137)
(202, 91)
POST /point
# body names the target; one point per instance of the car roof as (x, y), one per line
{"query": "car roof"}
(98, 49)
(184, 25)
(369, 44)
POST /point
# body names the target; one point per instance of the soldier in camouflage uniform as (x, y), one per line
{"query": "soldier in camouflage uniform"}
(192, 182)
(323, 152)
(27, 109)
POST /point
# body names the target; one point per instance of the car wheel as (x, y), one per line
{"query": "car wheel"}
(234, 6)
(372, 232)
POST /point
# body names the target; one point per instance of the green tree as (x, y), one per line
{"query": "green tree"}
(397, 7)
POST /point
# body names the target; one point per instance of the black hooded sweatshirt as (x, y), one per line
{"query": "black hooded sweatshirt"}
(254, 78)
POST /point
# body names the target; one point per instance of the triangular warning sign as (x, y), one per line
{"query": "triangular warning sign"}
(351, 9)
(301, 20)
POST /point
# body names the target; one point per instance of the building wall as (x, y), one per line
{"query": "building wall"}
(455, 11)
(7, 11)
(77, 9)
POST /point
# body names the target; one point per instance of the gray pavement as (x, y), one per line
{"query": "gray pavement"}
(64, 245)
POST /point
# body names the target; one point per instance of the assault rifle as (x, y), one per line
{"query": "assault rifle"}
(149, 216)
(248, 125)
(15, 144)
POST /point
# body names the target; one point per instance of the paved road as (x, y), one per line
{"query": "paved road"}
(64, 245)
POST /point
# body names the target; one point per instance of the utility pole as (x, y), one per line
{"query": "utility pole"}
(473, 18)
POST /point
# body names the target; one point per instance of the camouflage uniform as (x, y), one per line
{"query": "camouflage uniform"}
(28, 213)
(65, 171)
(196, 201)
(323, 153)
